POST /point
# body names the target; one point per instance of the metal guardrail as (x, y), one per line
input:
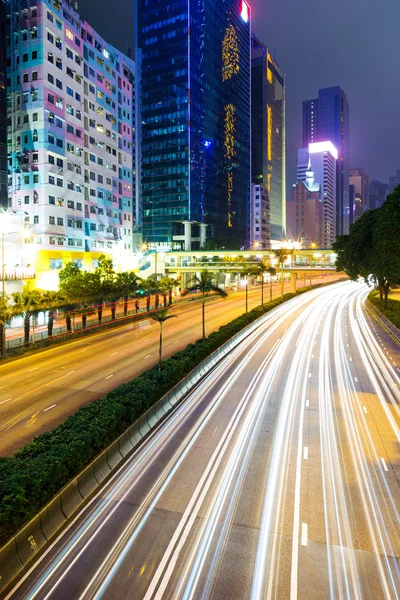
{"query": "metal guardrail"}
(386, 324)
(25, 545)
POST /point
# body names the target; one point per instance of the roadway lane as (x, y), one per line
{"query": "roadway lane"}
(277, 478)
(40, 390)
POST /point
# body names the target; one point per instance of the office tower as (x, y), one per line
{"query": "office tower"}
(260, 219)
(316, 169)
(378, 192)
(71, 100)
(394, 181)
(195, 120)
(360, 181)
(268, 132)
(327, 118)
(3, 108)
(305, 213)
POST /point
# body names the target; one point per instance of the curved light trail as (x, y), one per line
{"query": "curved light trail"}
(277, 478)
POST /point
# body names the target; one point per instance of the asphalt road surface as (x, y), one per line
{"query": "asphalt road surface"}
(40, 390)
(277, 478)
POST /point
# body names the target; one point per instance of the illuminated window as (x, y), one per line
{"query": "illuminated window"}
(230, 54)
(69, 34)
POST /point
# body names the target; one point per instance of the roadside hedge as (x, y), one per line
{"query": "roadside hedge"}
(392, 312)
(34, 474)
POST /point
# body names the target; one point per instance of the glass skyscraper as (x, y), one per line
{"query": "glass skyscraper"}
(3, 108)
(326, 118)
(195, 117)
(268, 133)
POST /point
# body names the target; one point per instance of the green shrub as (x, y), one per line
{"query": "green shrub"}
(392, 312)
(34, 474)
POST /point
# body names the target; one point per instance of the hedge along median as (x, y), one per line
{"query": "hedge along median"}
(34, 474)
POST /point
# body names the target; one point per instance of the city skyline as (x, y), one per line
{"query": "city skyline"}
(373, 142)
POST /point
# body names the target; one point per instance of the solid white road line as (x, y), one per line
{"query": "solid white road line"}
(304, 534)
(365, 410)
(109, 377)
(35, 369)
(114, 353)
(148, 356)
(4, 401)
(49, 407)
(305, 453)
(307, 403)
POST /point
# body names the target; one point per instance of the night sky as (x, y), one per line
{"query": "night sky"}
(318, 43)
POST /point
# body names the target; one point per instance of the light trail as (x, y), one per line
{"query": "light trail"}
(323, 484)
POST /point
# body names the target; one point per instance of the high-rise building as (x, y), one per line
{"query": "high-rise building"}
(3, 107)
(316, 168)
(305, 213)
(71, 103)
(360, 181)
(394, 181)
(195, 119)
(378, 192)
(268, 132)
(260, 217)
(327, 118)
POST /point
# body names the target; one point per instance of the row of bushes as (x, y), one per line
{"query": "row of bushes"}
(392, 312)
(34, 474)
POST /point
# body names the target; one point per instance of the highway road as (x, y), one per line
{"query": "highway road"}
(277, 478)
(40, 390)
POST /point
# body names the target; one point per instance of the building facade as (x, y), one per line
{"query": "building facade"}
(378, 192)
(71, 133)
(360, 181)
(305, 213)
(394, 181)
(260, 217)
(327, 118)
(317, 166)
(268, 133)
(195, 118)
(3, 108)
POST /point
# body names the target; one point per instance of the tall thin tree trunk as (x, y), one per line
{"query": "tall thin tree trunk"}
(165, 300)
(160, 351)
(113, 311)
(27, 329)
(50, 324)
(84, 319)
(2, 338)
(247, 297)
(262, 289)
(100, 312)
(270, 288)
(68, 322)
(170, 297)
(204, 317)
(126, 305)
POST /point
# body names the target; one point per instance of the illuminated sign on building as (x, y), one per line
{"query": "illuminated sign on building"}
(245, 12)
(323, 147)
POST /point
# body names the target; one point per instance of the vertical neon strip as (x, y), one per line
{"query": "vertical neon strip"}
(189, 118)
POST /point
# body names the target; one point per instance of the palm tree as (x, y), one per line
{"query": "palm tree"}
(51, 301)
(7, 312)
(28, 302)
(282, 255)
(272, 273)
(127, 284)
(167, 284)
(204, 284)
(261, 268)
(161, 317)
(248, 271)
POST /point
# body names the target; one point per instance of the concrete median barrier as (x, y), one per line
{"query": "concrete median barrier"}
(29, 540)
(114, 456)
(71, 498)
(10, 564)
(101, 468)
(143, 425)
(134, 434)
(125, 444)
(87, 482)
(52, 517)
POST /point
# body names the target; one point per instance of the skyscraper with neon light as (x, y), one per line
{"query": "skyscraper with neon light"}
(327, 118)
(195, 119)
(3, 108)
(268, 137)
